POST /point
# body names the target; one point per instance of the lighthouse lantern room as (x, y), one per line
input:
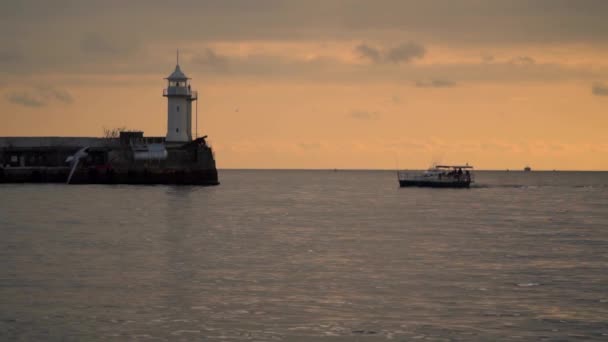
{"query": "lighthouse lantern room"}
(179, 106)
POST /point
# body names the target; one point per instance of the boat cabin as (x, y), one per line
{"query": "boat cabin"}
(444, 176)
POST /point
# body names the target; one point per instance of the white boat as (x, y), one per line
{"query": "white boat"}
(438, 176)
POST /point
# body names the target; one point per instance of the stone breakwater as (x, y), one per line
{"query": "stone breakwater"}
(123, 160)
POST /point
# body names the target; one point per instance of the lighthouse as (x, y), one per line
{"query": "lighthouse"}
(179, 106)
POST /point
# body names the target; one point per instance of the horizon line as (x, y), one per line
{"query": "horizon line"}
(393, 170)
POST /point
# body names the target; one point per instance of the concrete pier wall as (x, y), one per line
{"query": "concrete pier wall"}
(43, 159)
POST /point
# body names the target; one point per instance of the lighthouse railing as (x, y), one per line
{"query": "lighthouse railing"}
(180, 91)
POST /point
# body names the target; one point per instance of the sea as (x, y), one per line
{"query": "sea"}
(324, 255)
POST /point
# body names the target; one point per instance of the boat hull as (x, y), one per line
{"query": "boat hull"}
(433, 184)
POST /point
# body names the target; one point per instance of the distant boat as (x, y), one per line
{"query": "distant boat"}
(438, 176)
(527, 169)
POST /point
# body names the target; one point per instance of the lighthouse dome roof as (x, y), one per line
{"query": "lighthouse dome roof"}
(177, 74)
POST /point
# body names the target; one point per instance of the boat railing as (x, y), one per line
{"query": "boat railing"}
(435, 176)
(413, 175)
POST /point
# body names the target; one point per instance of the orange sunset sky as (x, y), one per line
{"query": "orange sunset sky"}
(322, 84)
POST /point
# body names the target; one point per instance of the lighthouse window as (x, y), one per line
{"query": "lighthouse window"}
(178, 108)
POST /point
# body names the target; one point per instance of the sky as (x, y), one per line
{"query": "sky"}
(322, 84)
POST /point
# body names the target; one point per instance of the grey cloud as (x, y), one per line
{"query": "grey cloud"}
(9, 56)
(487, 58)
(135, 32)
(272, 67)
(57, 50)
(95, 44)
(364, 115)
(500, 72)
(265, 65)
(211, 59)
(40, 96)
(158, 60)
(475, 21)
(470, 21)
(522, 60)
(367, 52)
(60, 95)
(325, 69)
(437, 83)
(599, 89)
(405, 53)
(63, 96)
(25, 99)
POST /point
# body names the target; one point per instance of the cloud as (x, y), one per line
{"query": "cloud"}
(51, 93)
(25, 99)
(310, 146)
(599, 89)
(487, 58)
(266, 63)
(475, 21)
(405, 52)
(368, 52)
(437, 83)
(211, 59)
(471, 21)
(39, 96)
(10, 56)
(364, 115)
(293, 60)
(274, 61)
(95, 44)
(522, 60)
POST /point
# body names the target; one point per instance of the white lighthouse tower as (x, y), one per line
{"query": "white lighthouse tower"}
(179, 106)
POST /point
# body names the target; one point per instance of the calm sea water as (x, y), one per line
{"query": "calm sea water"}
(308, 256)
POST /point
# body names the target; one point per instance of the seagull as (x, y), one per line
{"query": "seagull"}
(74, 159)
